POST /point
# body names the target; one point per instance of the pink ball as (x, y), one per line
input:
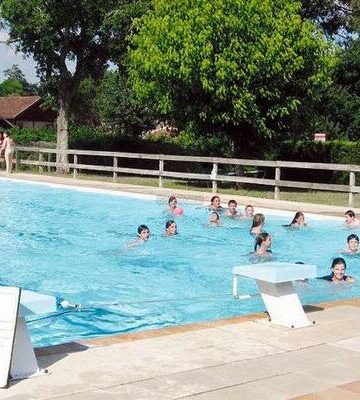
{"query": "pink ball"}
(178, 211)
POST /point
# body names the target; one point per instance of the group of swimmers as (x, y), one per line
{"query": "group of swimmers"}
(8, 146)
(263, 239)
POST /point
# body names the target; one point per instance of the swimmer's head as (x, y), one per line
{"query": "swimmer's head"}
(143, 232)
(258, 220)
(172, 202)
(298, 219)
(263, 238)
(215, 201)
(338, 268)
(214, 218)
(353, 242)
(249, 210)
(232, 204)
(171, 228)
(349, 216)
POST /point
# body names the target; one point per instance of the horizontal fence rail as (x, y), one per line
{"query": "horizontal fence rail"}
(46, 158)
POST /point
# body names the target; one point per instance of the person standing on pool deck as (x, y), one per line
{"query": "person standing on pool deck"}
(350, 219)
(8, 146)
(352, 244)
(338, 268)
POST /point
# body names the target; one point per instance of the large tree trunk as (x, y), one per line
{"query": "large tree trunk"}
(62, 122)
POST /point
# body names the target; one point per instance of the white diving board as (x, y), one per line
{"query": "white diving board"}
(274, 280)
(17, 357)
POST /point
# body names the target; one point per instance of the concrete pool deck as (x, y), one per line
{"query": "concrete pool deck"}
(242, 358)
(239, 358)
(182, 193)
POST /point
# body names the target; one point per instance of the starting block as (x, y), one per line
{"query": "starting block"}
(17, 357)
(275, 282)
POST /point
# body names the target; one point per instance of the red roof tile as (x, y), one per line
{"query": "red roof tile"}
(12, 106)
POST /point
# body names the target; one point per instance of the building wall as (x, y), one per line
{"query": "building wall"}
(33, 124)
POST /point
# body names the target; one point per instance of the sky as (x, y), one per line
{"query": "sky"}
(8, 58)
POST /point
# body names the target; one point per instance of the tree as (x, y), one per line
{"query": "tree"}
(70, 41)
(16, 84)
(239, 66)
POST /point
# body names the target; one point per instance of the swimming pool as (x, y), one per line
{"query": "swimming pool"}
(73, 244)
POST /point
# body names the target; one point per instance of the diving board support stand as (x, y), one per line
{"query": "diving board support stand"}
(275, 283)
(17, 357)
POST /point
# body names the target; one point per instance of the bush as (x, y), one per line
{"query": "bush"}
(30, 136)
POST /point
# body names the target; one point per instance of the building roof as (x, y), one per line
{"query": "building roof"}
(13, 106)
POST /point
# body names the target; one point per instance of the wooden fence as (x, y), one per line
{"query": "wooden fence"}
(46, 159)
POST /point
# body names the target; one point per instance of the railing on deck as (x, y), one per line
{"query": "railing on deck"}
(45, 160)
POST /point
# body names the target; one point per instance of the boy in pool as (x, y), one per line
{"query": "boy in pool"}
(338, 268)
(143, 236)
(232, 212)
(170, 228)
(352, 244)
(249, 211)
(350, 219)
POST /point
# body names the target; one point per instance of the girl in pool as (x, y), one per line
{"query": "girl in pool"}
(232, 212)
(298, 221)
(214, 219)
(173, 208)
(170, 228)
(215, 204)
(257, 225)
(338, 268)
(352, 245)
(262, 245)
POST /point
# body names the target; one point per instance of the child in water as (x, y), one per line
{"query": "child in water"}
(257, 225)
(173, 208)
(215, 204)
(262, 245)
(232, 212)
(338, 268)
(249, 212)
(171, 228)
(214, 219)
(350, 219)
(143, 236)
(298, 221)
(352, 244)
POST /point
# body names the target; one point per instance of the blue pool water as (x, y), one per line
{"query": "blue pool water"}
(73, 244)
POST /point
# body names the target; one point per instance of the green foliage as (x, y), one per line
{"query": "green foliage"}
(240, 66)
(15, 83)
(28, 136)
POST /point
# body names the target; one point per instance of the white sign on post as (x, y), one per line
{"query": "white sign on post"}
(9, 307)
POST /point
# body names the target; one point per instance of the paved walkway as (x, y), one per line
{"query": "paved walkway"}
(235, 359)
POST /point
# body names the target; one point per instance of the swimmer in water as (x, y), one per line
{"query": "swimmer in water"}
(232, 212)
(249, 212)
(350, 219)
(352, 245)
(215, 204)
(143, 236)
(214, 219)
(298, 221)
(170, 228)
(338, 268)
(262, 245)
(257, 225)
(173, 207)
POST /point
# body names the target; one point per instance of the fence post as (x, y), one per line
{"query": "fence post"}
(161, 170)
(115, 165)
(214, 173)
(277, 188)
(351, 184)
(75, 166)
(17, 159)
(40, 159)
(49, 161)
